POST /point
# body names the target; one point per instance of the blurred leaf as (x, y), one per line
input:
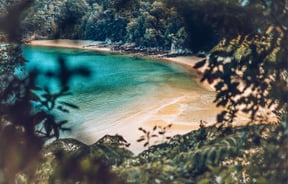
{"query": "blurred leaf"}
(154, 128)
(65, 129)
(141, 129)
(62, 109)
(141, 139)
(60, 123)
(219, 86)
(69, 105)
(199, 64)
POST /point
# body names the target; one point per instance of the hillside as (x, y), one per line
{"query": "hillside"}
(141, 23)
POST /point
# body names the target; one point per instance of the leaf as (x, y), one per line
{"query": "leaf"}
(62, 109)
(222, 103)
(199, 64)
(46, 96)
(210, 79)
(221, 117)
(141, 129)
(69, 105)
(161, 132)
(60, 123)
(169, 126)
(34, 97)
(146, 144)
(141, 139)
(66, 129)
(47, 89)
(154, 135)
(219, 86)
(154, 128)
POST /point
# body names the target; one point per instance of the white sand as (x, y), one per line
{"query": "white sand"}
(183, 108)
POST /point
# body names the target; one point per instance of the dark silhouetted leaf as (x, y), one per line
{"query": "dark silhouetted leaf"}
(60, 123)
(69, 105)
(140, 140)
(62, 109)
(141, 129)
(199, 64)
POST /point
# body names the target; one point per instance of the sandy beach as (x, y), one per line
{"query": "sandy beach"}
(181, 107)
(75, 44)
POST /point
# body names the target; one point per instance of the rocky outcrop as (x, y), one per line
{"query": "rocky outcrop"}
(71, 160)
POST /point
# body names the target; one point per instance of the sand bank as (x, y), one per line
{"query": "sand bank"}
(75, 44)
(182, 107)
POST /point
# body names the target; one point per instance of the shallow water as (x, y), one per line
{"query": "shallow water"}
(116, 86)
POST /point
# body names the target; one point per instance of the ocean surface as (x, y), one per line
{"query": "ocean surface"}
(117, 84)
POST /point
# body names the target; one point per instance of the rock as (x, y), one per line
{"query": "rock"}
(112, 149)
(66, 145)
(116, 140)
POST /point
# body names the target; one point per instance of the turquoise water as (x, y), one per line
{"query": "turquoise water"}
(115, 83)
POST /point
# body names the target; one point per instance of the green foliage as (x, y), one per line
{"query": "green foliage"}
(73, 161)
(24, 126)
(10, 18)
(249, 70)
(194, 158)
(101, 25)
(145, 23)
(270, 164)
(71, 17)
(244, 78)
(249, 73)
(207, 21)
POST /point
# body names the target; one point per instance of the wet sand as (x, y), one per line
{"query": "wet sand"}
(182, 107)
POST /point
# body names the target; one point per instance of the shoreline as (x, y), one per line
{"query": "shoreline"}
(183, 108)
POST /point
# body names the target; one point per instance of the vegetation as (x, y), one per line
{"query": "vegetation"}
(248, 68)
(144, 23)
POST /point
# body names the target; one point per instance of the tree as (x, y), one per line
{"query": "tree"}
(71, 17)
(249, 73)
(206, 21)
(250, 69)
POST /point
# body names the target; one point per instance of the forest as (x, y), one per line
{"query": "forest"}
(245, 44)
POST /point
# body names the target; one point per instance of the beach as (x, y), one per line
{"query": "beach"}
(182, 108)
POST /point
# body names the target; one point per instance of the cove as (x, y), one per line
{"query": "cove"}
(122, 93)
